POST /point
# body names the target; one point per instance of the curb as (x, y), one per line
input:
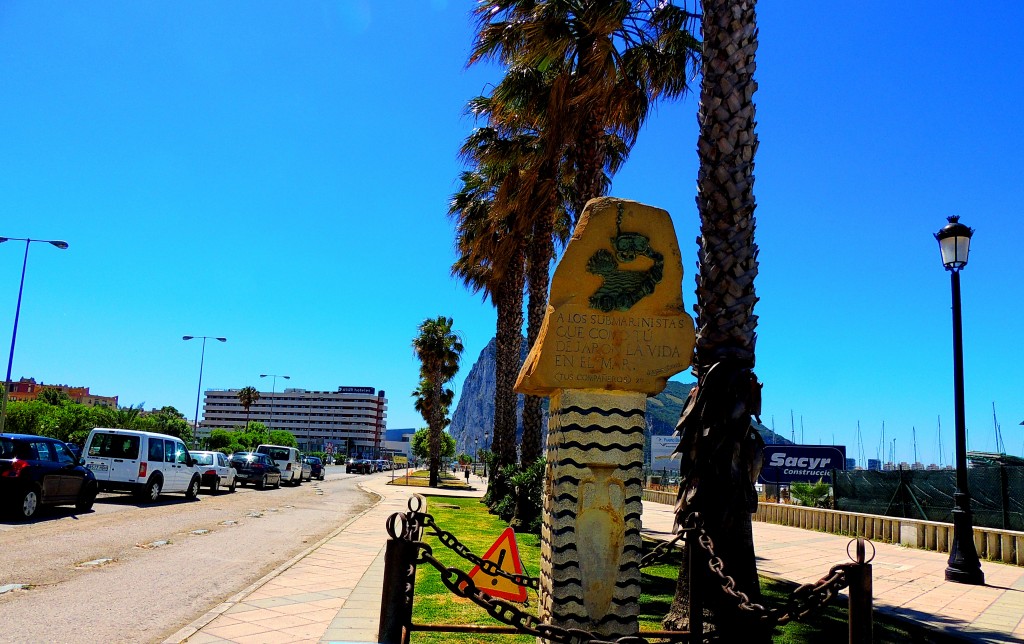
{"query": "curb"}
(197, 625)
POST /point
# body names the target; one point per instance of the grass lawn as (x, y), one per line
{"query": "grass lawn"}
(421, 478)
(469, 520)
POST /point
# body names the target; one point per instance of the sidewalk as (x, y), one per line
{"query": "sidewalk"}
(332, 592)
(907, 582)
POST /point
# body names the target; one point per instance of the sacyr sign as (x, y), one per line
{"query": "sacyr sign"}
(801, 463)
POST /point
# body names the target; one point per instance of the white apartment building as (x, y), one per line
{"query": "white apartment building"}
(352, 420)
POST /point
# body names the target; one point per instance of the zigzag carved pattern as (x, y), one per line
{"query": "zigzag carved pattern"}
(574, 427)
(568, 461)
(562, 549)
(586, 411)
(626, 449)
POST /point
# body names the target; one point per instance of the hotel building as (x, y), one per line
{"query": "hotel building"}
(351, 420)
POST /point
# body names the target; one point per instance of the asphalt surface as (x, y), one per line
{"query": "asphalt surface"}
(132, 572)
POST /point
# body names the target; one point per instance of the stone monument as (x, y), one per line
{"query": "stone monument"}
(615, 330)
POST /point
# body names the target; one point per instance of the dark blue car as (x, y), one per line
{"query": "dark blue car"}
(37, 471)
(316, 467)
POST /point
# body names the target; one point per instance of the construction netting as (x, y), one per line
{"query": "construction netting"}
(997, 494)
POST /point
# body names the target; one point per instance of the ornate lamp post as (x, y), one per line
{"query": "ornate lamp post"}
(17, 313)
(964, 566)
(202, 358)
(273, 390)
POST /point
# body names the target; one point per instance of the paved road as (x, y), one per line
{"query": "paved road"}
(135, 573)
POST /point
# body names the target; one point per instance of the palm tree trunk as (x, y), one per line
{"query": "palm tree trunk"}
(436, 420)
(718, 447)
(541, 252)
(508, 341)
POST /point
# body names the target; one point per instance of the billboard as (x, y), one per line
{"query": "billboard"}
(357, 390)
(661, 452)
(801, 463)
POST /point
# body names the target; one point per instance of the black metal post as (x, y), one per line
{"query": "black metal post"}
(397, 592)
(963, 566)
(861, 617)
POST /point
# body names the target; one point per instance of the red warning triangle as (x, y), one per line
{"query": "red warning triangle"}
(505, 553)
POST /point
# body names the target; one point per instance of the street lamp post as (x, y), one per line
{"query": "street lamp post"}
(273, 391)
(17, 313)
(963, 566)
(202, 359)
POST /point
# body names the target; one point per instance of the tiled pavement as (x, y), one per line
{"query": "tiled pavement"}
(332, 592)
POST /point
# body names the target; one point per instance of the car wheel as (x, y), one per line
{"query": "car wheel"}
(86, 498)
(297, 482)
(263, 483)
(192, 493)
(28, 502)
(234, 484)
(277, 485)
(215, 486)
(152, 491)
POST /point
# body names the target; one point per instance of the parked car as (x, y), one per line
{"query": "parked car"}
(37, 471)
(145, 463)
(286, 458)
(215, 470)
(256, 469)
(316, 467)
(306, 470)
(359, 466)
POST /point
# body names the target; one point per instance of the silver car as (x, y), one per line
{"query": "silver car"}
(216, 471)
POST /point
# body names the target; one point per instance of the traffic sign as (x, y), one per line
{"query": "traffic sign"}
(504, 553)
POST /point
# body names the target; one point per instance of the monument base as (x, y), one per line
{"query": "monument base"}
(590, 537)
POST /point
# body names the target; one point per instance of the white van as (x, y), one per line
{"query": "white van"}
(286, 458)
(145, 463)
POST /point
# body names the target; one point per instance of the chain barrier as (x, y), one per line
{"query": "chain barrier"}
(662, 551)
(507, 613)
(802, 601)
(452, 542)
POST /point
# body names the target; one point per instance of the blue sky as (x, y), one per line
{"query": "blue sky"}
(278, 173)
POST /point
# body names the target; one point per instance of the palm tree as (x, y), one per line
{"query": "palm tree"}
(423, 402)
(247, 397)
(438, 349)
(491, 260)
(719, 448)
(580, 78)
(605, 61)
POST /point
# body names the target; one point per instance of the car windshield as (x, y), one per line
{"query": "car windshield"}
(114, 446)
(203, 459)
(276, 453)
(6, 448)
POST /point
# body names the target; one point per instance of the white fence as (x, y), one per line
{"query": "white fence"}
(994, 544)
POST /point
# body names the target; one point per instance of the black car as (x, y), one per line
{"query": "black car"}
(37, 471)
(257, 469)
(359, 466)
(316, 466)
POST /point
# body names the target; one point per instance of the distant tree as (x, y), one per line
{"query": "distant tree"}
(438, 348)
(220, 438)
(247, 397)
(26, 417)
(53, 396)
(167, 420)
(420, 444)
(282, 437)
